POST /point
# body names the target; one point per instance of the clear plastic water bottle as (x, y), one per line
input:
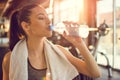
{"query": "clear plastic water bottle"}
(59, 28)
(71, 29)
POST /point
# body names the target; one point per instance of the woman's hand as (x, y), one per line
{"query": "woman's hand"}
(72, 39)
(77, 41)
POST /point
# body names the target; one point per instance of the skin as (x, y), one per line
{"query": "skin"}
(37, 31)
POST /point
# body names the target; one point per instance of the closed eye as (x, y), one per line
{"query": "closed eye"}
(41, 18)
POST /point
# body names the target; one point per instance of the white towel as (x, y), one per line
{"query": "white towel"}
(58, 67)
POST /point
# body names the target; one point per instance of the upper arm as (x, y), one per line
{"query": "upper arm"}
(78, 63)
(5, 66)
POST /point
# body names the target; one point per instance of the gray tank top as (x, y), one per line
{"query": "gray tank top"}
(36, 74)
(39, 74)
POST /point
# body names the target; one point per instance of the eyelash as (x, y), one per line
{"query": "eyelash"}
(41, 18)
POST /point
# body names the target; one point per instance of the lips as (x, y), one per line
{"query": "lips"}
(50, 27)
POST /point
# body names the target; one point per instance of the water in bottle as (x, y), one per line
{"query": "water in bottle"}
(71, 29)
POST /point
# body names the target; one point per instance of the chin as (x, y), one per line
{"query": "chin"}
(49, 35)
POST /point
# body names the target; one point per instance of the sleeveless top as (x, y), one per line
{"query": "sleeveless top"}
(39, 74)
(36, 74)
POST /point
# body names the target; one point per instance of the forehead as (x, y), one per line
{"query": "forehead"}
(38, 10)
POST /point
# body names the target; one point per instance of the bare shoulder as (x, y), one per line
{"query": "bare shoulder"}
(65, 51)
(60, 47)
(5, 65)
(6, 60)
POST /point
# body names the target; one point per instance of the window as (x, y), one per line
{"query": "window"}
(109, 44)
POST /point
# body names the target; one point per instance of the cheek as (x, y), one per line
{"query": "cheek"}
(37, 29)
(37, 25)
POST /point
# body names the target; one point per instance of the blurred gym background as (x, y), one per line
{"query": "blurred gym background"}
(101, 16)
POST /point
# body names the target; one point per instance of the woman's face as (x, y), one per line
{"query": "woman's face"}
(39, 25)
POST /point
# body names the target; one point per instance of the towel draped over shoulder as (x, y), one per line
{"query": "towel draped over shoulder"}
(58, 66)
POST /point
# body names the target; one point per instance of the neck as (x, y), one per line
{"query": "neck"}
(35, 46)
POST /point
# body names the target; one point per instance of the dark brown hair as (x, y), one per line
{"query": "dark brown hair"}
(16, 31)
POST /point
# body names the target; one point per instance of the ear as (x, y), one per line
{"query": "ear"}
(25, 26)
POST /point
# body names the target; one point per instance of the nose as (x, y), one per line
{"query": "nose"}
(48, 21)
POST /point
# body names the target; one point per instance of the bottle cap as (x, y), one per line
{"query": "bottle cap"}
(52, 27)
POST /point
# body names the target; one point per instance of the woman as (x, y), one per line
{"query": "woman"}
(34, 57)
